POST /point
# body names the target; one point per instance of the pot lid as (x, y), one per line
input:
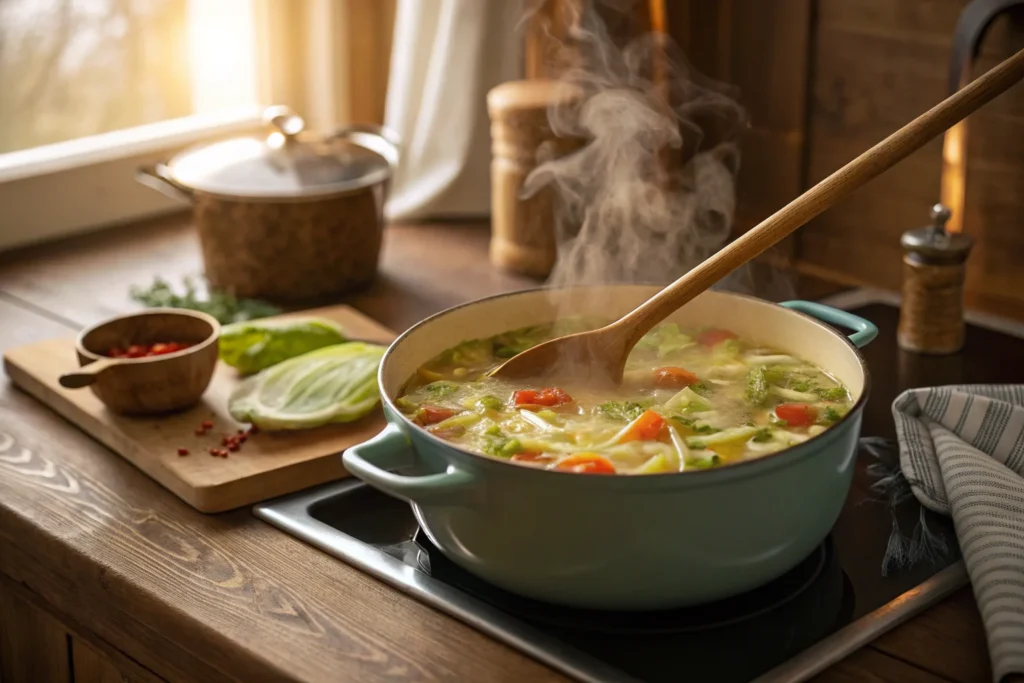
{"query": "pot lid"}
(933, 242)
(288, 163)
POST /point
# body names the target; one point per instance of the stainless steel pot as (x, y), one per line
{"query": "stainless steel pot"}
(286, 216)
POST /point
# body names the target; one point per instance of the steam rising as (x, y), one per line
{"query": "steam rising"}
(624, 217)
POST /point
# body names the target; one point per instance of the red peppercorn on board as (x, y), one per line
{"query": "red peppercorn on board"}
(202, 455)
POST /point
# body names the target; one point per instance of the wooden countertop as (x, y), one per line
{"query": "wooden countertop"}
(183, 596)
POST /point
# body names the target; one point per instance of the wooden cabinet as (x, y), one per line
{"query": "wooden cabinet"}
(89, 666)
(36, 647)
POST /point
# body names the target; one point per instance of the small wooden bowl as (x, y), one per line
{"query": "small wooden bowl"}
(153, 385)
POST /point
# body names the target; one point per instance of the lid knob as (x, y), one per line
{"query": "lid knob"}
(287, 122)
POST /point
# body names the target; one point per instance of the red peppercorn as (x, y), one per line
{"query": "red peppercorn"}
(147, 350)
(254, 429)
(182, 451)
(206, 424)
(136, 351)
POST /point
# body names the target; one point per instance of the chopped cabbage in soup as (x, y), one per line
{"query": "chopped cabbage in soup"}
(689, 400)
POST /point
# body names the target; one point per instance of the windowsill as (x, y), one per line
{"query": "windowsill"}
(94, 177)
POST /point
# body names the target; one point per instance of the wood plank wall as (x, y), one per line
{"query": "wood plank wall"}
(877, 64)
(822, 81)
(728, 40)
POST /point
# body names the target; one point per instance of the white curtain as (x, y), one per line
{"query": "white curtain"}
(446, 56)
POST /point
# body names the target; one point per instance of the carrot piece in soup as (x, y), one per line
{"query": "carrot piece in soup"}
(586, 463)
(674, 378)
(712, 338)
(796, 414)
(647, 427)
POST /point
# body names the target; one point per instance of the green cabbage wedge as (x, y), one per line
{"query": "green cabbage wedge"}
(333, 384)
(255, 345)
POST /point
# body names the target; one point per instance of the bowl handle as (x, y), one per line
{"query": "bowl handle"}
(864, 330)
(391, 449)
(87, 374)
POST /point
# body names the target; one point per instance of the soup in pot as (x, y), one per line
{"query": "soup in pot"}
(689, 400)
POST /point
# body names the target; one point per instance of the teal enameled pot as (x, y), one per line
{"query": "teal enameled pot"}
(622, 542)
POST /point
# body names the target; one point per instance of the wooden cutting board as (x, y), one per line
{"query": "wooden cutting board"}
(268, 464)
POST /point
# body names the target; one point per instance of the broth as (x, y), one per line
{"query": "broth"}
(690, 399)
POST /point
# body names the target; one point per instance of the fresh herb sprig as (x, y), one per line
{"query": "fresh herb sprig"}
(226, 308)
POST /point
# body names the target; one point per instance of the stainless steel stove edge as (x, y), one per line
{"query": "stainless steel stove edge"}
(291, 514)
(856, 635)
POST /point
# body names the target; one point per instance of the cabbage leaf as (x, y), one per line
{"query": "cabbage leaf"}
(333, 384)
(255, 345)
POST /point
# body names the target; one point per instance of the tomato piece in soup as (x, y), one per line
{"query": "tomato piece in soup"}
(586, 463)
(796, 414)
(712, 338)
(548, 397)
(674, 378)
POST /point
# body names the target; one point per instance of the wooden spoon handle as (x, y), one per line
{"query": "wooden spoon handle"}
(840, 184)
(87, 374)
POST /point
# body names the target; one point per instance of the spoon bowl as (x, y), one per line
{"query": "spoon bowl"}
(572, 357)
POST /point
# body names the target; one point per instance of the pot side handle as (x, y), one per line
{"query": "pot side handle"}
(391, 449)
(158, 177)
(379, 139)
(864, 331)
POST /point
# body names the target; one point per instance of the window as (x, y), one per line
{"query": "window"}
(92, 89)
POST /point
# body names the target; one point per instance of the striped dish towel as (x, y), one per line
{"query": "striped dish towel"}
(962, 451)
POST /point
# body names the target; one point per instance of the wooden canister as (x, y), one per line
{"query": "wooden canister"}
(523, 237)
(932, 309)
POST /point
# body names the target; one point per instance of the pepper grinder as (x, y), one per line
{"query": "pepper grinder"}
(523, 229)
(934, 263)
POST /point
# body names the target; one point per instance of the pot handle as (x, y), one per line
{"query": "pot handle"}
(379, 139)
(391, 449)
(158, 177)
(864, 330)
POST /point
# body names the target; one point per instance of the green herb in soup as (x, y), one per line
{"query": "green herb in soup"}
(689, 400)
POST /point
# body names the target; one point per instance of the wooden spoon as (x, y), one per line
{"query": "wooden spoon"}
(601, 354)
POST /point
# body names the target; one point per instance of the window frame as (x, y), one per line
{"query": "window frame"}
(305, 51)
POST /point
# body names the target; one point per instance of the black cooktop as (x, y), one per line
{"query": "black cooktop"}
(739, 639)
